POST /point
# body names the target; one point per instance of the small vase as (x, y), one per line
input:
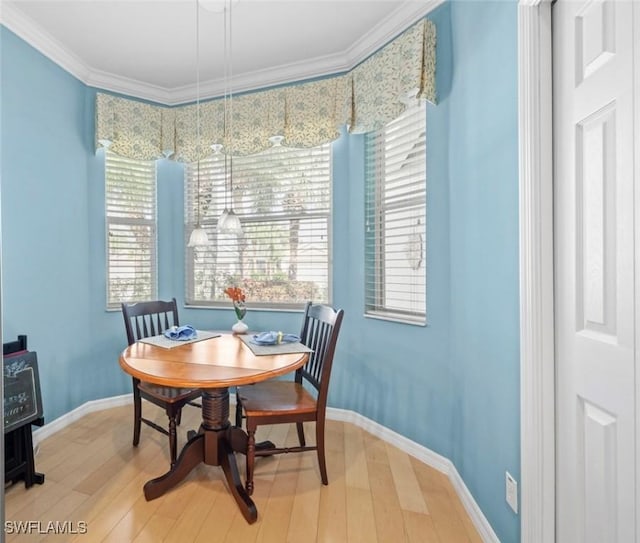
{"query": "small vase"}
(240, 310)
(239, 328)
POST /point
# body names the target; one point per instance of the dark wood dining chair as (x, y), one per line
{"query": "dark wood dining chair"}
(279, 402)
(145, 319)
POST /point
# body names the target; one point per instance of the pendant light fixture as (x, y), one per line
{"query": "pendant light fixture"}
(229, 222)
(198, 236)
(276, 141)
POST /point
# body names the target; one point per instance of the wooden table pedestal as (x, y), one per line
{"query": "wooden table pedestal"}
(215, 444)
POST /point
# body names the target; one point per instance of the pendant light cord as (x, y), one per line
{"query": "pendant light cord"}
(226, 110)
(231, 104)
(230, 76)
(230, 91)
(198, 107)
(230, 221)
(228, 45)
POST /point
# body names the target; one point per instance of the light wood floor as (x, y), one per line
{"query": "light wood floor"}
(375, 492)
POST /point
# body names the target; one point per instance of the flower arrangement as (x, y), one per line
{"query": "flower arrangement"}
(238, 298)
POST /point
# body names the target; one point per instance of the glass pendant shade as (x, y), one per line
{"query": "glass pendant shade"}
(222, 219)
(231, 224)
(276, 141)
(198, 237)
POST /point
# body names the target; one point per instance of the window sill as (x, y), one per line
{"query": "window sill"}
(390, 317)
(252, 309)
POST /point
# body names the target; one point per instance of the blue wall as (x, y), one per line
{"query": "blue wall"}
(483, 191)
(451, 386)
(47, 277)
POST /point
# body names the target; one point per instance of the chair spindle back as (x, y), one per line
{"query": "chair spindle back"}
(320, 330)
(145, 319)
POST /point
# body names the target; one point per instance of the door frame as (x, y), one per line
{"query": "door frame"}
(537, 361)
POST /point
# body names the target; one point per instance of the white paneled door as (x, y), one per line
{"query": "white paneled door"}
(595, 292)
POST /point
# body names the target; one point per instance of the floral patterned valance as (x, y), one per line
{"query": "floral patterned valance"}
(304, 115)
(384, 83)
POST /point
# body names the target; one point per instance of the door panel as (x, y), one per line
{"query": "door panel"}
(594, 276)
(596, 225)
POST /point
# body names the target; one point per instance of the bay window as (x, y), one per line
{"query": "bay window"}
(283, 198)
(395, 218)
(130, 200)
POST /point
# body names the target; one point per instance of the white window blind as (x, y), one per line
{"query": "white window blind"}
(283, 198)
(395, 218)
(130, 197)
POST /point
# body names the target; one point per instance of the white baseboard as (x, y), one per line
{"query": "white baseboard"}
(89, 407)
(425, 455)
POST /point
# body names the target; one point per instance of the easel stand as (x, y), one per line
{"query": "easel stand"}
(19, 460)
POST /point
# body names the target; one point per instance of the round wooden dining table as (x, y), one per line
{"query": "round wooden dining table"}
(212, 365)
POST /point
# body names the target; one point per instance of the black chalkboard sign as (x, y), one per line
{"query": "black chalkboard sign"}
(22, 400)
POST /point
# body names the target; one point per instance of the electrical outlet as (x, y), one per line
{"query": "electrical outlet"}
(511, 491)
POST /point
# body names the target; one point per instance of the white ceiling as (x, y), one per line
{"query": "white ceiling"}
(147, 48)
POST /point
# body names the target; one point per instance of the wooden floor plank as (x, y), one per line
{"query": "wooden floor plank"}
(128, 528)
(195, 510)
(356, 472)
(62, 509)
(154, 530)
(375, 493)
(104, 521)
(303, 525)
(446, 520)
(419, 529)
(332, 515)
(386, 506)
(374, 449)
(361, 525)
(29, 504)
(275, 518)
(404, 478)
(217, 523)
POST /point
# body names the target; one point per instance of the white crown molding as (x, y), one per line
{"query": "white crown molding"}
(401, 19)
(262, 79)
(537, 381)
(129, 87)
(406, 14)
(24, 27)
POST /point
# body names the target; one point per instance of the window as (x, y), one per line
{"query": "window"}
(283, 198)
(395, 218)
(130, 197)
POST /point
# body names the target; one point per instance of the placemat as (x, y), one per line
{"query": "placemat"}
(166, 343)
(282, 348)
